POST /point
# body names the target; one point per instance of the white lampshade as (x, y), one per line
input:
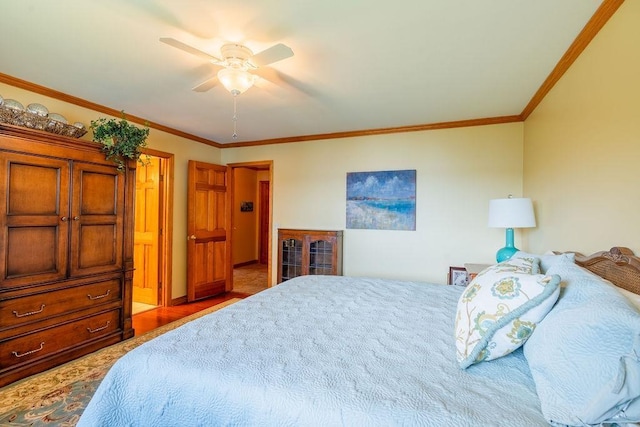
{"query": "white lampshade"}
(511, 213)
(236, 80)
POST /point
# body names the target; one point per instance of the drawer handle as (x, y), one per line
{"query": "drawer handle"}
(16, 354)
(101, 328)
(91, 297)
(28, 313)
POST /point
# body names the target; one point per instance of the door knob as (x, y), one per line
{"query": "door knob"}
(192, 237)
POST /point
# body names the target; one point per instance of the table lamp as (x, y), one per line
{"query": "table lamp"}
(510, 213)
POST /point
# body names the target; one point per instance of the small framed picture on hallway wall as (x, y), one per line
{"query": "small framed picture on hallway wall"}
(246, 206)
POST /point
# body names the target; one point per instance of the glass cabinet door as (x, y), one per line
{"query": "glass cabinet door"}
(309, 252)
(291, 251)
(321, 257)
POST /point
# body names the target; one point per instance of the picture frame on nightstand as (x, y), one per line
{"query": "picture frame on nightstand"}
(458, 276)
(474, 269)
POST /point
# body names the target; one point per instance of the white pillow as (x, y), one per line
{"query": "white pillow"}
(584, 355)
(634, 299)
(500, 308)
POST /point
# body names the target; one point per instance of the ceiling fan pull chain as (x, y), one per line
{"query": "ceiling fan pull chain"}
(235, 118)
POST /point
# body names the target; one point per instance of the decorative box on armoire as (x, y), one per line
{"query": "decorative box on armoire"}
(66, 250)
(308, 252)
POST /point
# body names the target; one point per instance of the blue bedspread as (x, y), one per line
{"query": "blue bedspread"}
(317, 351)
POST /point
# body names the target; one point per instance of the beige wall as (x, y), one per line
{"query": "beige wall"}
(183, 149)
(458, 171)
(245, 231)
(582, 146)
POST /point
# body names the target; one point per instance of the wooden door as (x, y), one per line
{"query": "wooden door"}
(208, 225)
(263, 228)
(34, 219)
(146, 237)
(97, 219)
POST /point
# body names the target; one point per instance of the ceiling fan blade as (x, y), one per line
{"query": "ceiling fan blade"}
(206, 85)
(273, 54)
(189, 49)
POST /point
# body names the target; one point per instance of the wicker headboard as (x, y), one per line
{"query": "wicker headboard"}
(618, 265)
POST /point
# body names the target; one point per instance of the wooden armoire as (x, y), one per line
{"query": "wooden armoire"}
(66, 250)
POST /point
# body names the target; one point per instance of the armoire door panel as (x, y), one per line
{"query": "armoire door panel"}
(23, 194)
(29, 251)
(97, 246)
(96, 219)
(99, 192)
(34, 211)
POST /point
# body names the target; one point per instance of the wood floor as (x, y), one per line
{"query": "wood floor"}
(149, 320)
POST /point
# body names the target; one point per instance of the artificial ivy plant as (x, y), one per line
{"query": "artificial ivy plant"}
(120, 139)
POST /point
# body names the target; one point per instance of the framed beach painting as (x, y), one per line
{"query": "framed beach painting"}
(383, 200)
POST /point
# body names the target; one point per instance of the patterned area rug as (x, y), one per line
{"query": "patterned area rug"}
(250, 279)
(59, 395)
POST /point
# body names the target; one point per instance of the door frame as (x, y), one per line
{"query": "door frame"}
(165, 208)
(263, 242)
(258, 165)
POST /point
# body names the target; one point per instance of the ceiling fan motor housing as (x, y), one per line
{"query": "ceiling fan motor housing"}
(236, 55)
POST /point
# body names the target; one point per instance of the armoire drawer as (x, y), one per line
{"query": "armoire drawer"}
(33, 308)
(43, 343)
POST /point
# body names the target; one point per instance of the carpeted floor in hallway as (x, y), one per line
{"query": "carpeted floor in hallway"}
(250, 279)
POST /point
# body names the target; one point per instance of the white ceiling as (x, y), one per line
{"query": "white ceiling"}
(358, 65)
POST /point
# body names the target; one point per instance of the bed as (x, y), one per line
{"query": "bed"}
(343, 351)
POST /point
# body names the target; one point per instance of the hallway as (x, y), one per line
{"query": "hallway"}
(250, 279)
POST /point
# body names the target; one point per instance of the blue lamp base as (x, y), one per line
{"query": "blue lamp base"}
(508, 251)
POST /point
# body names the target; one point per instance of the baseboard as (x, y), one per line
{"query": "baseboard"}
(243, 264)
(178, 301)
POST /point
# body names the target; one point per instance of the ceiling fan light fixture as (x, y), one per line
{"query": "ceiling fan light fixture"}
(236, 80)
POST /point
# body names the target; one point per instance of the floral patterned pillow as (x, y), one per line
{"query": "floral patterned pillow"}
(500, 308)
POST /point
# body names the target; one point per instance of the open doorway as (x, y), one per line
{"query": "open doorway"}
(251, 201)
(153, 232)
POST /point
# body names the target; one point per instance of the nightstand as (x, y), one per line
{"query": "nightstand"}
(474, 269)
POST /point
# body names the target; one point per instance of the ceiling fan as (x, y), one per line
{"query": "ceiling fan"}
(236, 61)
